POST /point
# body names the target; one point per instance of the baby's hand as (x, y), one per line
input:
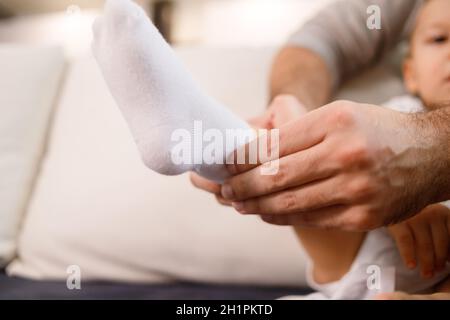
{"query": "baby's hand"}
(425, 239)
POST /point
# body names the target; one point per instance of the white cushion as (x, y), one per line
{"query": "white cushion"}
(96, 205)
(29, 81)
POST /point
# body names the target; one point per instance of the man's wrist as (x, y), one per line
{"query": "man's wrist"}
(433, 136)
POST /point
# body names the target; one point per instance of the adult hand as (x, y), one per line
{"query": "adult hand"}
(346, 165)
(283, 109)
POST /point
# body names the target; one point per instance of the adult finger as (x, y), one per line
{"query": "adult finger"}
(263, 122)
(223, 201)
(293, 170)
(286, 109)
(204, 184)
(312, 196)
(297, 135)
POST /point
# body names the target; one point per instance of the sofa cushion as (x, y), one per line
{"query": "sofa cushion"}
(29, 81)
(97, 206)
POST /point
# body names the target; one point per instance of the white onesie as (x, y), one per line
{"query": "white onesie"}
(378, 267)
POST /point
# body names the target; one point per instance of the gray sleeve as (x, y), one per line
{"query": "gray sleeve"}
(339, 33)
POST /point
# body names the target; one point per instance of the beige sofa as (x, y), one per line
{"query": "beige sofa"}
(74, 191)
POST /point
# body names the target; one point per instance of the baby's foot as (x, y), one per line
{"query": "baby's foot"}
(157, 96)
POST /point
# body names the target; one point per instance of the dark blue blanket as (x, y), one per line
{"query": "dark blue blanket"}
(17, 288)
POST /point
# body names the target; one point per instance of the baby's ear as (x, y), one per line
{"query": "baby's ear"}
(409, 76)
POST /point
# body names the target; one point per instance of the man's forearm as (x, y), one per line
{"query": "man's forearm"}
(435, 126)
(302, 73)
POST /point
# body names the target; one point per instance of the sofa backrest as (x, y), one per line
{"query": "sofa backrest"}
(30, 78)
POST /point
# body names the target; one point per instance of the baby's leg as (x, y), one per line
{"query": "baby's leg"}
(157, 97)
(331, 251)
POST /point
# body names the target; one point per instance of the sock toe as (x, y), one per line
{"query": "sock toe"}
(123, 11)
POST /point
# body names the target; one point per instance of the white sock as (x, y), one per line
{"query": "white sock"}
(155, 93)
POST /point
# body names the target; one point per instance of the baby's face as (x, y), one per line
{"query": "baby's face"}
(427, 70)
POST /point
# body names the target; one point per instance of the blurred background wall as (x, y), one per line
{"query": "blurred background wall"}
(183, 22)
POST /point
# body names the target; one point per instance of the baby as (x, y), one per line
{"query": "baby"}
(157, 98)
(411, 256)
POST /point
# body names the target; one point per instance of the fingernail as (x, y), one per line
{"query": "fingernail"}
(239, 206)
(227, 192)
(411, 264)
